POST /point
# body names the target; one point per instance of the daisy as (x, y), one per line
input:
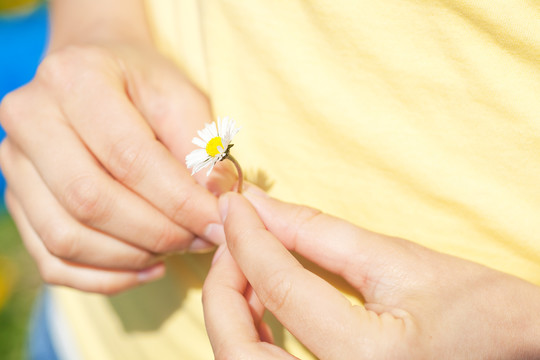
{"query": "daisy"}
(215, 143)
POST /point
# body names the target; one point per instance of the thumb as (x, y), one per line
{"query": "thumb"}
(176, 109)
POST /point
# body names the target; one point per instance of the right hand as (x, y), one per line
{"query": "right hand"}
(94, 161)
(418, 303)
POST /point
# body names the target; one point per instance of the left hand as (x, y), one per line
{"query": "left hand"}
(418, 303)
(95, 167)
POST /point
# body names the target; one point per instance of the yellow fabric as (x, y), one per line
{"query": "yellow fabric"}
(419, 119)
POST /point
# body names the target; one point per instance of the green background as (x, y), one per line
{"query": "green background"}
(23, 34)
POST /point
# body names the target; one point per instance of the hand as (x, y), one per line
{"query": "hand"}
(94, 161)
(419, 304)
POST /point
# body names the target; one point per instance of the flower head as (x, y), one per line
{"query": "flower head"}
(215, 142)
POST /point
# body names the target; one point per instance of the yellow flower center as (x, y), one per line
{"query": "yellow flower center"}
(213, 147)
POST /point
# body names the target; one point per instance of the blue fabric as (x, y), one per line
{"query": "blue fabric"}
(22, 42)
(40, 346)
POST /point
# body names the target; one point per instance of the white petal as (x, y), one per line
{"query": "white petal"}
(230, 131)
(196, 154)
(220, 127)
(213, 129)
(201, 166)
(226, 121)
(211, 168)
(195, 157)
(199, 142)
(198, 159)
(208, 132)
(203, 135)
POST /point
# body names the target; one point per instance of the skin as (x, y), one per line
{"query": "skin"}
(419, 304)
(98, 139)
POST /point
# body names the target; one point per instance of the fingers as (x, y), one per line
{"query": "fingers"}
(176, 110)
(99, 156)
(58, 272)
(60, 233)
(84, 189)
(356, 254)
(222, 179)
(233, 322)
(304, 303)
(126, 146)
(225, 281)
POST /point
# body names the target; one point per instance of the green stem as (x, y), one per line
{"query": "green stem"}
(239, 171)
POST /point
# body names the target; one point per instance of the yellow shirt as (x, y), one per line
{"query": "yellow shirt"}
(418, 119)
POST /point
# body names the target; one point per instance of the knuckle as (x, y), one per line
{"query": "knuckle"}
(302, 219)
(4, 154)
(49, 273)
(141, 260)
(211, 291)
(127, 161)
(60, 241)
(187, 98)
(65, 68)
(183, 204)
(9, 200)
(243, 235)
(233, 353)
(167, 239)
(11, 109)
(57, 69)
(207, 293)
(275, 293)
(85, 200)
(160, 108)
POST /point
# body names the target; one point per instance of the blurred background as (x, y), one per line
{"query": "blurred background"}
(23, 36)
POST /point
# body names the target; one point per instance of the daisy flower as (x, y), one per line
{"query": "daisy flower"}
(215, 145)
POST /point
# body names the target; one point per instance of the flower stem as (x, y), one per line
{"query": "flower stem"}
(239, 171)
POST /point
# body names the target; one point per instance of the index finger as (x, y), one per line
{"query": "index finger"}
(124, 143)
(314, 311)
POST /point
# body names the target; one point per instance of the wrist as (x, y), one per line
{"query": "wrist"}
(529, 345)
(521, 331)
(98, 22)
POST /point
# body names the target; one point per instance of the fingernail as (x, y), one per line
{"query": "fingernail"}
(224, 206)
(218, 253)
(151, 274)
(215, 233)
(201, 246)
(251, 189)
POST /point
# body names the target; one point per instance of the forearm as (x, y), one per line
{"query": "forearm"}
(524, 331)
(87, 21)
(499, 317)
